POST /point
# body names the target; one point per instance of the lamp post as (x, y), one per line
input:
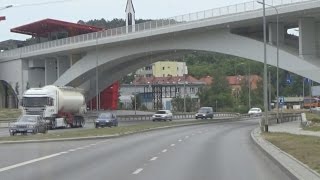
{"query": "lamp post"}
(265, 76)
(277, 55)
(135, 95)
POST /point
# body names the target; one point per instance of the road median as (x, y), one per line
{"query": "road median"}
(104, 133)
(292, 152)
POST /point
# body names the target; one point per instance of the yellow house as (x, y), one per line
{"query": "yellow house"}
(169, 68)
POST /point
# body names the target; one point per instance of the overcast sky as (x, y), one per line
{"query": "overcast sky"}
(75, 10)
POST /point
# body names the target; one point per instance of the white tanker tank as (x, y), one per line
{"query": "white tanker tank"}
(60, 106)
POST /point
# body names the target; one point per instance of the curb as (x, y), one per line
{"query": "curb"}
(292, 166)
(115, 135)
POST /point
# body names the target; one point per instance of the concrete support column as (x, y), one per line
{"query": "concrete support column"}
(273, 33)
(307, 34)
(50, 71)
(63, 64)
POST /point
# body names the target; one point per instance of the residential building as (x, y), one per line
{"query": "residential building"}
(163, 69)
(148, 89)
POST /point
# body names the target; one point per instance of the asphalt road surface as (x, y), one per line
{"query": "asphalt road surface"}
(222, 151)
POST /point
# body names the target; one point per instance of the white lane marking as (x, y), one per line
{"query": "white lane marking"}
(154, 158)
(187, 137)
(41, 159)
(165, 150)
(29, 162)
(180, 140)
(172, 145)
(93, 144)
(137, 171)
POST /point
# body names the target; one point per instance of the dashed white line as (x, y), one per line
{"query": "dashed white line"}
(165, 150)
(93, 144)
(180, 140)
(154, 158)
(172, 145)
(187, 137)
(137, 171)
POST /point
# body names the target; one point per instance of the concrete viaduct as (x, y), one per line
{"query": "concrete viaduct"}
(234, 30)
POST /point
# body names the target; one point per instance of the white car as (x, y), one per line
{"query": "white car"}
(162, 115)
(255, 112)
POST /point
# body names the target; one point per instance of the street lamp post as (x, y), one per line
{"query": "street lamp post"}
(277, 53)
(265, 76)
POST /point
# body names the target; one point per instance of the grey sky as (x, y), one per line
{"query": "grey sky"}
(96, 9)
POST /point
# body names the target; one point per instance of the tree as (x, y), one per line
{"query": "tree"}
(219, 91)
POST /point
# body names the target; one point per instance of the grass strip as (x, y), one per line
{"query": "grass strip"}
(9, 113)
(303, 148)
(99, 132)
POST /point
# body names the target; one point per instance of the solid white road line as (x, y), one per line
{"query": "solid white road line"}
(154, 158)
(29, 162)
(41, 159)
(165, 150)
(137, 171)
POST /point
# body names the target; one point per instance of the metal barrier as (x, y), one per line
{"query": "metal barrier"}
(283, 117)
(147, 26)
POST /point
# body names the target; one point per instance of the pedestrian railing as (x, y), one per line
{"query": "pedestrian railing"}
(147, 26)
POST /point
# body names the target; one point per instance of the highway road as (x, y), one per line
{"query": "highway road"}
(221, 151)
(4, 132)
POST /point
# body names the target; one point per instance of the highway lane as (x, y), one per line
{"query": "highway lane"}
(4, 132)
(216, 151)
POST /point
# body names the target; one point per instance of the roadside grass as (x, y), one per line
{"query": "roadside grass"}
(9, 113)
(99, 132)
(304, 148)
(315, 119)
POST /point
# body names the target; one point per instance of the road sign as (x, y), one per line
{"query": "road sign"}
(281, 100)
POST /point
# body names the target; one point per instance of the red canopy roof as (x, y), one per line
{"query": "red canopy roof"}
(43, 27)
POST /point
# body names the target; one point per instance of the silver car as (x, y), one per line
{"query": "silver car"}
(162, 115)
(28, 124)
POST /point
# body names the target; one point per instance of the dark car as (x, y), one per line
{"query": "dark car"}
(106, 120)
(204, 113)
(28, 124)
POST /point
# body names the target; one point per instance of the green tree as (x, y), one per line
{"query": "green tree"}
(219, 92)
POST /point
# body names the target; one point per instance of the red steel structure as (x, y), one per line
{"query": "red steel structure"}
(110, 96)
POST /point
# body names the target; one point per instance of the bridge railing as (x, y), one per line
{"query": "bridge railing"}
(147, 26)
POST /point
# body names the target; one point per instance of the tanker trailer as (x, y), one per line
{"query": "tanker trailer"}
(59, 106)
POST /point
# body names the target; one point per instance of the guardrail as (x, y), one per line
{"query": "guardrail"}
(148, 26)
(283, 117)
(175, 116)
(91, 118)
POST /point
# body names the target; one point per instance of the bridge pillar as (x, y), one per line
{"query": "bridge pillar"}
(307, 34)
(273, 33)
(50, 71)
(63, 64)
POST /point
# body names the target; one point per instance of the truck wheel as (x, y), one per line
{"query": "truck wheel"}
(12, 133)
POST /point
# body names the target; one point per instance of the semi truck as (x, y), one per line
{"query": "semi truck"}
(60, 107)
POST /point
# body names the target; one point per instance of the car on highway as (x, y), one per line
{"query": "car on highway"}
(28, 124)
(107, 119)
(204, 113)
(255, 112)
(162, 115)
